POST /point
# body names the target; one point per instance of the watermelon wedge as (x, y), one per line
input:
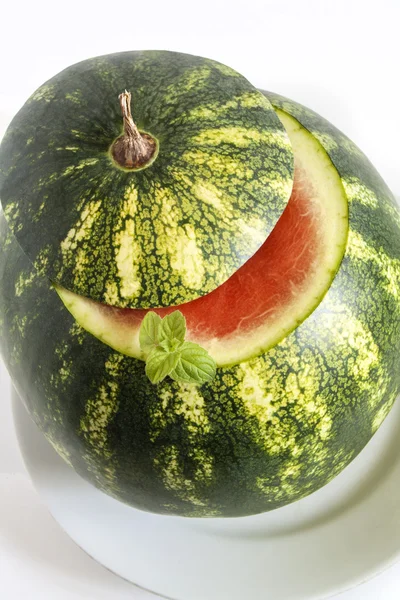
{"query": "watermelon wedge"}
(273, 292)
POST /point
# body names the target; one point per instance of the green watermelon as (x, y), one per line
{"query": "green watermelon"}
(283, 415)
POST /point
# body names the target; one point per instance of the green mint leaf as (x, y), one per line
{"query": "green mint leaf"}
(194, 365)
(149, 333)
(173, 326)
(159, 364)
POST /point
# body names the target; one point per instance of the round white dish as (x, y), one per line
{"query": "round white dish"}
(315, 548)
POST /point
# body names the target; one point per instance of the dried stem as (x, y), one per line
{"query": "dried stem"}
(133, 149)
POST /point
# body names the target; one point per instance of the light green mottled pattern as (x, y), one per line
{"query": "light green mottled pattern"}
(159, 236)
(99, 413)
(101, 409)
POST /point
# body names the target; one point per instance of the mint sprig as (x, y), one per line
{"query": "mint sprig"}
(163, 344)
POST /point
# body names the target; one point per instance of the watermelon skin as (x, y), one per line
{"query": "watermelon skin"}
(264, 433)
(165, 234)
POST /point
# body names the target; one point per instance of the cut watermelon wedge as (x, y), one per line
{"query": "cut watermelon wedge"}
(270, 295)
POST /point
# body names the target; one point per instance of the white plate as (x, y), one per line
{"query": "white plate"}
(336, 538)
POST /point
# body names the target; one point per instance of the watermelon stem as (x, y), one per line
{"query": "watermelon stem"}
(134, 149)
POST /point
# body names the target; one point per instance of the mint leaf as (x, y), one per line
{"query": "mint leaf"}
(163, 341)
(149, 333)
(160, 363)
(173, 326)
(194, 365)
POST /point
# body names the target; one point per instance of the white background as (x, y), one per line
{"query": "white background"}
(338, 57)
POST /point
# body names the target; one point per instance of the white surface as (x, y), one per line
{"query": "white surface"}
(340, 58)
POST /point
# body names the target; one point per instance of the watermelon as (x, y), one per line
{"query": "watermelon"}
(166, 231)
(270, 294)
(281, 418)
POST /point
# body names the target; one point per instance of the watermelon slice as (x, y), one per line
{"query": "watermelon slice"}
(273, 292)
